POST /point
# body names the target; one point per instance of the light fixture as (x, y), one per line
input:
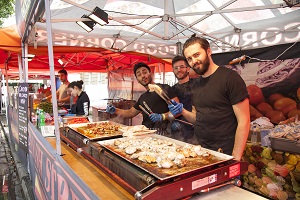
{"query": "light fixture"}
(86, 25)
(99, 16)
(60, 61)
(29, 57)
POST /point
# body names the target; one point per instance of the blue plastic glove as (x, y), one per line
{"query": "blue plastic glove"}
(175, 126)
(110, 109)
(154, 117)
(175, 108)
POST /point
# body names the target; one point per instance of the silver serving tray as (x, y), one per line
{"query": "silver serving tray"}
(161, 173)
(74, 127)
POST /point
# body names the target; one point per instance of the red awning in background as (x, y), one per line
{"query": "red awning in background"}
(75, 59)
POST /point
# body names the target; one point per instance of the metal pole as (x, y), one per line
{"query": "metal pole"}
(26, 63)
(52, 75)
(164, 72)
(7, 89)
(21, 73)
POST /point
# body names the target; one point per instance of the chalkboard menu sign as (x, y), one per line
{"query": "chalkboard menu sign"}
(23, 115)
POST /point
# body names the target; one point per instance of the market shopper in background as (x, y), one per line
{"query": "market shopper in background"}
(220, 100)
(82, 105)
(44, 91)
(182, 90)
(63, 98)
(159, 118)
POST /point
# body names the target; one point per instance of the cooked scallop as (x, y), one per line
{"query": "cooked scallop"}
(130, 150)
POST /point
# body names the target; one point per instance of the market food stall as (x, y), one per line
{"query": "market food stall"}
(161, 35)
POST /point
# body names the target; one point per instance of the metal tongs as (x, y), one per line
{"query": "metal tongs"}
(148, 111)
(155, 88)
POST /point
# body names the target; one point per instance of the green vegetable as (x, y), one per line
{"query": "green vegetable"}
(292, 159)
(266, 153)
(46, 106)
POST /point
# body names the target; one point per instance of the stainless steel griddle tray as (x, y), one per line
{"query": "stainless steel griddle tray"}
(75, 126)
(220, 156)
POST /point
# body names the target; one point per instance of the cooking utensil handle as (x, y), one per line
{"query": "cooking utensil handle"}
(182, 121)
(146, 105)
(143, 109)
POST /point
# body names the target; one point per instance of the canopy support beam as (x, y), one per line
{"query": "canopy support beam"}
(52, 76)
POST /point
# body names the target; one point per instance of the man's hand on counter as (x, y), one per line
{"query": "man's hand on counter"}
(154, 117)
(175, 108)
(110, 109)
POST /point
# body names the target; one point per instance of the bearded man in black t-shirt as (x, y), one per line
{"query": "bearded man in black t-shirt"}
(220, 102)
(159, 118)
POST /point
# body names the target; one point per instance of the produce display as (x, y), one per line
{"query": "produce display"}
(276, 107)
(273, 174)
(46, 106)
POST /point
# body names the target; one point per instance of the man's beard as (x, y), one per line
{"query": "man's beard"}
(201, 71)
(183, 77)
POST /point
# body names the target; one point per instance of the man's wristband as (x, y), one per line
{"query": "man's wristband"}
(163, 117)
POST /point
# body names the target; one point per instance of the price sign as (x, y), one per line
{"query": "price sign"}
(23, 115)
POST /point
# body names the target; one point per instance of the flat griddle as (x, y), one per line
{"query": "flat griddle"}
(115, 134)
(193, 164)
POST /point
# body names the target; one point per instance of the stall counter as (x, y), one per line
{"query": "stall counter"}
(98, 181)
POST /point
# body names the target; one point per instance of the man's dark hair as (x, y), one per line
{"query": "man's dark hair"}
(139, 65)
(179, 58)
(62, 71)
(193, 40)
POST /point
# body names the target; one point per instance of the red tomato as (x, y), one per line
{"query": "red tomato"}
(264, 107)
(285, 105)
(274, 97)
(293, 113)
(255, 95)
(275, 116)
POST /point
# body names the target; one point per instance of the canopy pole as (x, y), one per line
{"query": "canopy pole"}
(7, 90)
(164, 72)
(25, 63)
(21, 73)
(52, 75)
(166, 21)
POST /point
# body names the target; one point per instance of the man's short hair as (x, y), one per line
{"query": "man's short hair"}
(63, 71)
(193, 40)
(179, 58)
(139, 65)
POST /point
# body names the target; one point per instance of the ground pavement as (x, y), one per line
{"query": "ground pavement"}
(17, 183)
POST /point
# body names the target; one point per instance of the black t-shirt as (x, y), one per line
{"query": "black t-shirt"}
(157, 105)
(78, 108)
(213, 98)
(184, 94)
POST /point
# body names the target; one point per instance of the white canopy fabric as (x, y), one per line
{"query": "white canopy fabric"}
(160, 27)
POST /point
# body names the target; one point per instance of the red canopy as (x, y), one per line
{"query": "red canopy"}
(75, 59)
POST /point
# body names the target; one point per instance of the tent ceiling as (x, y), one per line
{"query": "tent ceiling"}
(156, 26)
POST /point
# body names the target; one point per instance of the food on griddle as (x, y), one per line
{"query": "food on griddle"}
(163, 153)
(93, 130)
(130, 150)
(77, 121)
